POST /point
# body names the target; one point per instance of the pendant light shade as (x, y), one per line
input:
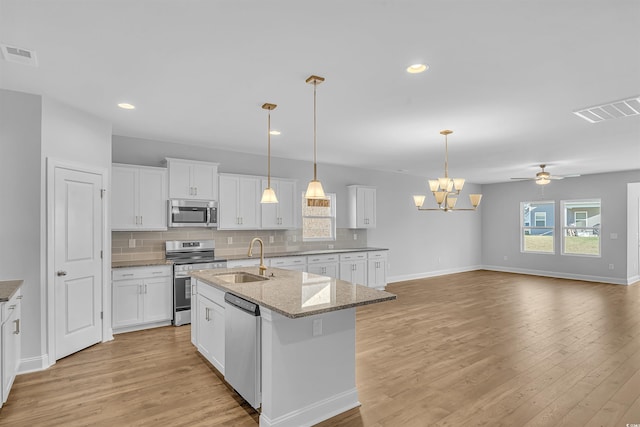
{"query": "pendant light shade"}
(315, 190)
(269, 196)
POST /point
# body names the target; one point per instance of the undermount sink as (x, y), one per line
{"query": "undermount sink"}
(240, 277)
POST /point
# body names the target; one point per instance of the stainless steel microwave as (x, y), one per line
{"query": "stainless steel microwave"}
(193, 213)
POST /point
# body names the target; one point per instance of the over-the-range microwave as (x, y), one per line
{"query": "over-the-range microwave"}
(192, 213)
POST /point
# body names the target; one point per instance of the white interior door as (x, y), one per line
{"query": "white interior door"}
(77, 230)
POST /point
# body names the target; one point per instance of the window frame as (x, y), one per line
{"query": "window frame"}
(524, 227)
(565, 228)
(332, 197)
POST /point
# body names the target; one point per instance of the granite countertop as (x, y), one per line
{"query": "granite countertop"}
(296, 294)
(162, 261)
(8, 288)
(140, 263)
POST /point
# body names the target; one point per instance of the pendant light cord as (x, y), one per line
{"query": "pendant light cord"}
(446, 156)
(269, 150)
(315, 154)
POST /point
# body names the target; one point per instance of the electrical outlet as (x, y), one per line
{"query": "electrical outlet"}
(610, 266)
(317, 327)
(132, 243)
(355, 236)
(229, 240)
(271, 239)
(330, 246)
(505, 257)
(295, 238)
(613, 236)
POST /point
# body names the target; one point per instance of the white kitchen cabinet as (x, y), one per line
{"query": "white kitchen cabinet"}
(353, 267)
(361, 206)
(192, 179)
(377, 269)
(142, 298)
(10, 342)
(297, 263)
(324, 265)
(139, 198)
(281, 215)
(239, 205)
(209, 324)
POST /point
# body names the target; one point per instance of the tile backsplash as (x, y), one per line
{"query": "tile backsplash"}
(150, 244)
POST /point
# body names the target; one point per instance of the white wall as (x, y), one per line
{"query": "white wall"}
(421, 243)
(501, 227)
(20, 119)
(633, 232)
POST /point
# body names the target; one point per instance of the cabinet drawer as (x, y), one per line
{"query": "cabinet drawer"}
(212, 293)
(291, 260)
(353, 256)
(7, 308)
(377, 254)
(141, 272)
(314, 259)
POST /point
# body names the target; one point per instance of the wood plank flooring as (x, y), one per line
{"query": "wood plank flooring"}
(471, 349)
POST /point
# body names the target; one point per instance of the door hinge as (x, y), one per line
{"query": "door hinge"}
(101, 315)
(102, 191)
(100, 254)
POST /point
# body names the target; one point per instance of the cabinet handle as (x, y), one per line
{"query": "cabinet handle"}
(206, 314)
(156, 272)
(12, 307)
(19, 297)
(140, 219)
(17, 322)
(61, 273)
(196, 191)
(145, 288)
(128, 274)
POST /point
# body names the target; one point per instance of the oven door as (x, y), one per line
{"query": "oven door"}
(181, 291)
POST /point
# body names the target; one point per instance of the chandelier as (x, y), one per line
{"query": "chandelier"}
(445, 189)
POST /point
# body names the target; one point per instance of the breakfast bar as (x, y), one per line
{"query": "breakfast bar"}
(306, 338)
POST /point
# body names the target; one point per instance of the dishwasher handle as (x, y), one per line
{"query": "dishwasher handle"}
(242, 304)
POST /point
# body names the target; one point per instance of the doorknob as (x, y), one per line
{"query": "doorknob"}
(61, 273)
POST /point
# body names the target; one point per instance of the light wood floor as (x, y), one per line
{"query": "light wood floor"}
(478, 348)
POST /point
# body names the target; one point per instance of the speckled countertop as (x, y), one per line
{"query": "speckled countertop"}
(8, 288)
(162, 261)
(296, 294)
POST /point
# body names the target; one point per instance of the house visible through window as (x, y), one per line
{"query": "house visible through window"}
(538, 238)
(581, 223)
(319, 219)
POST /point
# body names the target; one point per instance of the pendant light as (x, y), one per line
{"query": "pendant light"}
(314, 190)
(269, 196)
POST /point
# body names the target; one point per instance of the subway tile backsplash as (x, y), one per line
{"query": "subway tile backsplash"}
(150, 244)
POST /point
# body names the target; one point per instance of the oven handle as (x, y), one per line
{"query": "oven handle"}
(180, 274)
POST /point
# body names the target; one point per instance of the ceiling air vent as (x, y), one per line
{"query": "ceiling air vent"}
(612, 110)
(19, 55)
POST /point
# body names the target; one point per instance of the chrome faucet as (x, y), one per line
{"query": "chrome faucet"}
(263, 268)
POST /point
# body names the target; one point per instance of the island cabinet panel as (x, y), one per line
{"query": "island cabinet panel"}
(377, 269)
(10, 332)
(192, 180)
(142, 297)
(208, 325)
(353, 267)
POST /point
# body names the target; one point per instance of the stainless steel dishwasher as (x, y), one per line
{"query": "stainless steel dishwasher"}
(243, 348)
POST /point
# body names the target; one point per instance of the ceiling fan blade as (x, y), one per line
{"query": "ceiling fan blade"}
(525, 179)
(571, 176)
(556, 177)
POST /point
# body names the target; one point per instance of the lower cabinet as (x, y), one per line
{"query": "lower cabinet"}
(10, 343)
(142, 298)
(207, 331)
(377, 269)
(353, 267)
(324, 265)
(297, 263)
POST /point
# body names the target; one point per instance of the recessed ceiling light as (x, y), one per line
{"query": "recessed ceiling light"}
(126, 106)
(417, 68)
(274, 132)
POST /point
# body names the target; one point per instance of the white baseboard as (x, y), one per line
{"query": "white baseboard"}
(404, 277)
(141, 327)
(557, 275)
(633, 279)
(316, 412)
(33, 364)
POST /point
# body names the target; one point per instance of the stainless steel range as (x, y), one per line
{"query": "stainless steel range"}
(187, 256)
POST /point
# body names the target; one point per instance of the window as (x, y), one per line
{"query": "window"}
(581, 227)
(539, 237)
(319, 219)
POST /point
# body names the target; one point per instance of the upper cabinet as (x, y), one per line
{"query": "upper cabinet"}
(361, 205)
(281, 215)
(192, 180)
(239, 204)
(139, 198)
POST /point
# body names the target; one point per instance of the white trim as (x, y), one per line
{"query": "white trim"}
(49, 298)
(435, 273)
(557, 275)
(633, 279)
(140, 327)
(33, 364)
(316, 412)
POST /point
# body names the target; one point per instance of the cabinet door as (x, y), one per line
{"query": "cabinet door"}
(249, 203)
(158, 299)
(354, 272)
(10, 350)
(377, 273)
(269, 211)
(204, 179)
(228, 218)
(180, 180)
(153, 199)
(127, 307)
(286, 205)
(367, 203)
(325, 269)
(211, 332)
(124, 198)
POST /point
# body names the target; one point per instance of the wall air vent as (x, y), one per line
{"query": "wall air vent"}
(612, 110)
(19, 55)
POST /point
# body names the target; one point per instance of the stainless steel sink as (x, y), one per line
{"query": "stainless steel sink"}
(240, 277)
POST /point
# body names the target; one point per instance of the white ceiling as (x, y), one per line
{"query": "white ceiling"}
(504, 75)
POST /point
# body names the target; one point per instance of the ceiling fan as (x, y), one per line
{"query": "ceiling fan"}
(543, 177)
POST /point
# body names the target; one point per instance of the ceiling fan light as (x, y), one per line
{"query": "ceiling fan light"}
(418, 200)
(542, 181)
(269, 196)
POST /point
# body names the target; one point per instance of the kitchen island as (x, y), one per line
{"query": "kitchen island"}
(307, 341)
